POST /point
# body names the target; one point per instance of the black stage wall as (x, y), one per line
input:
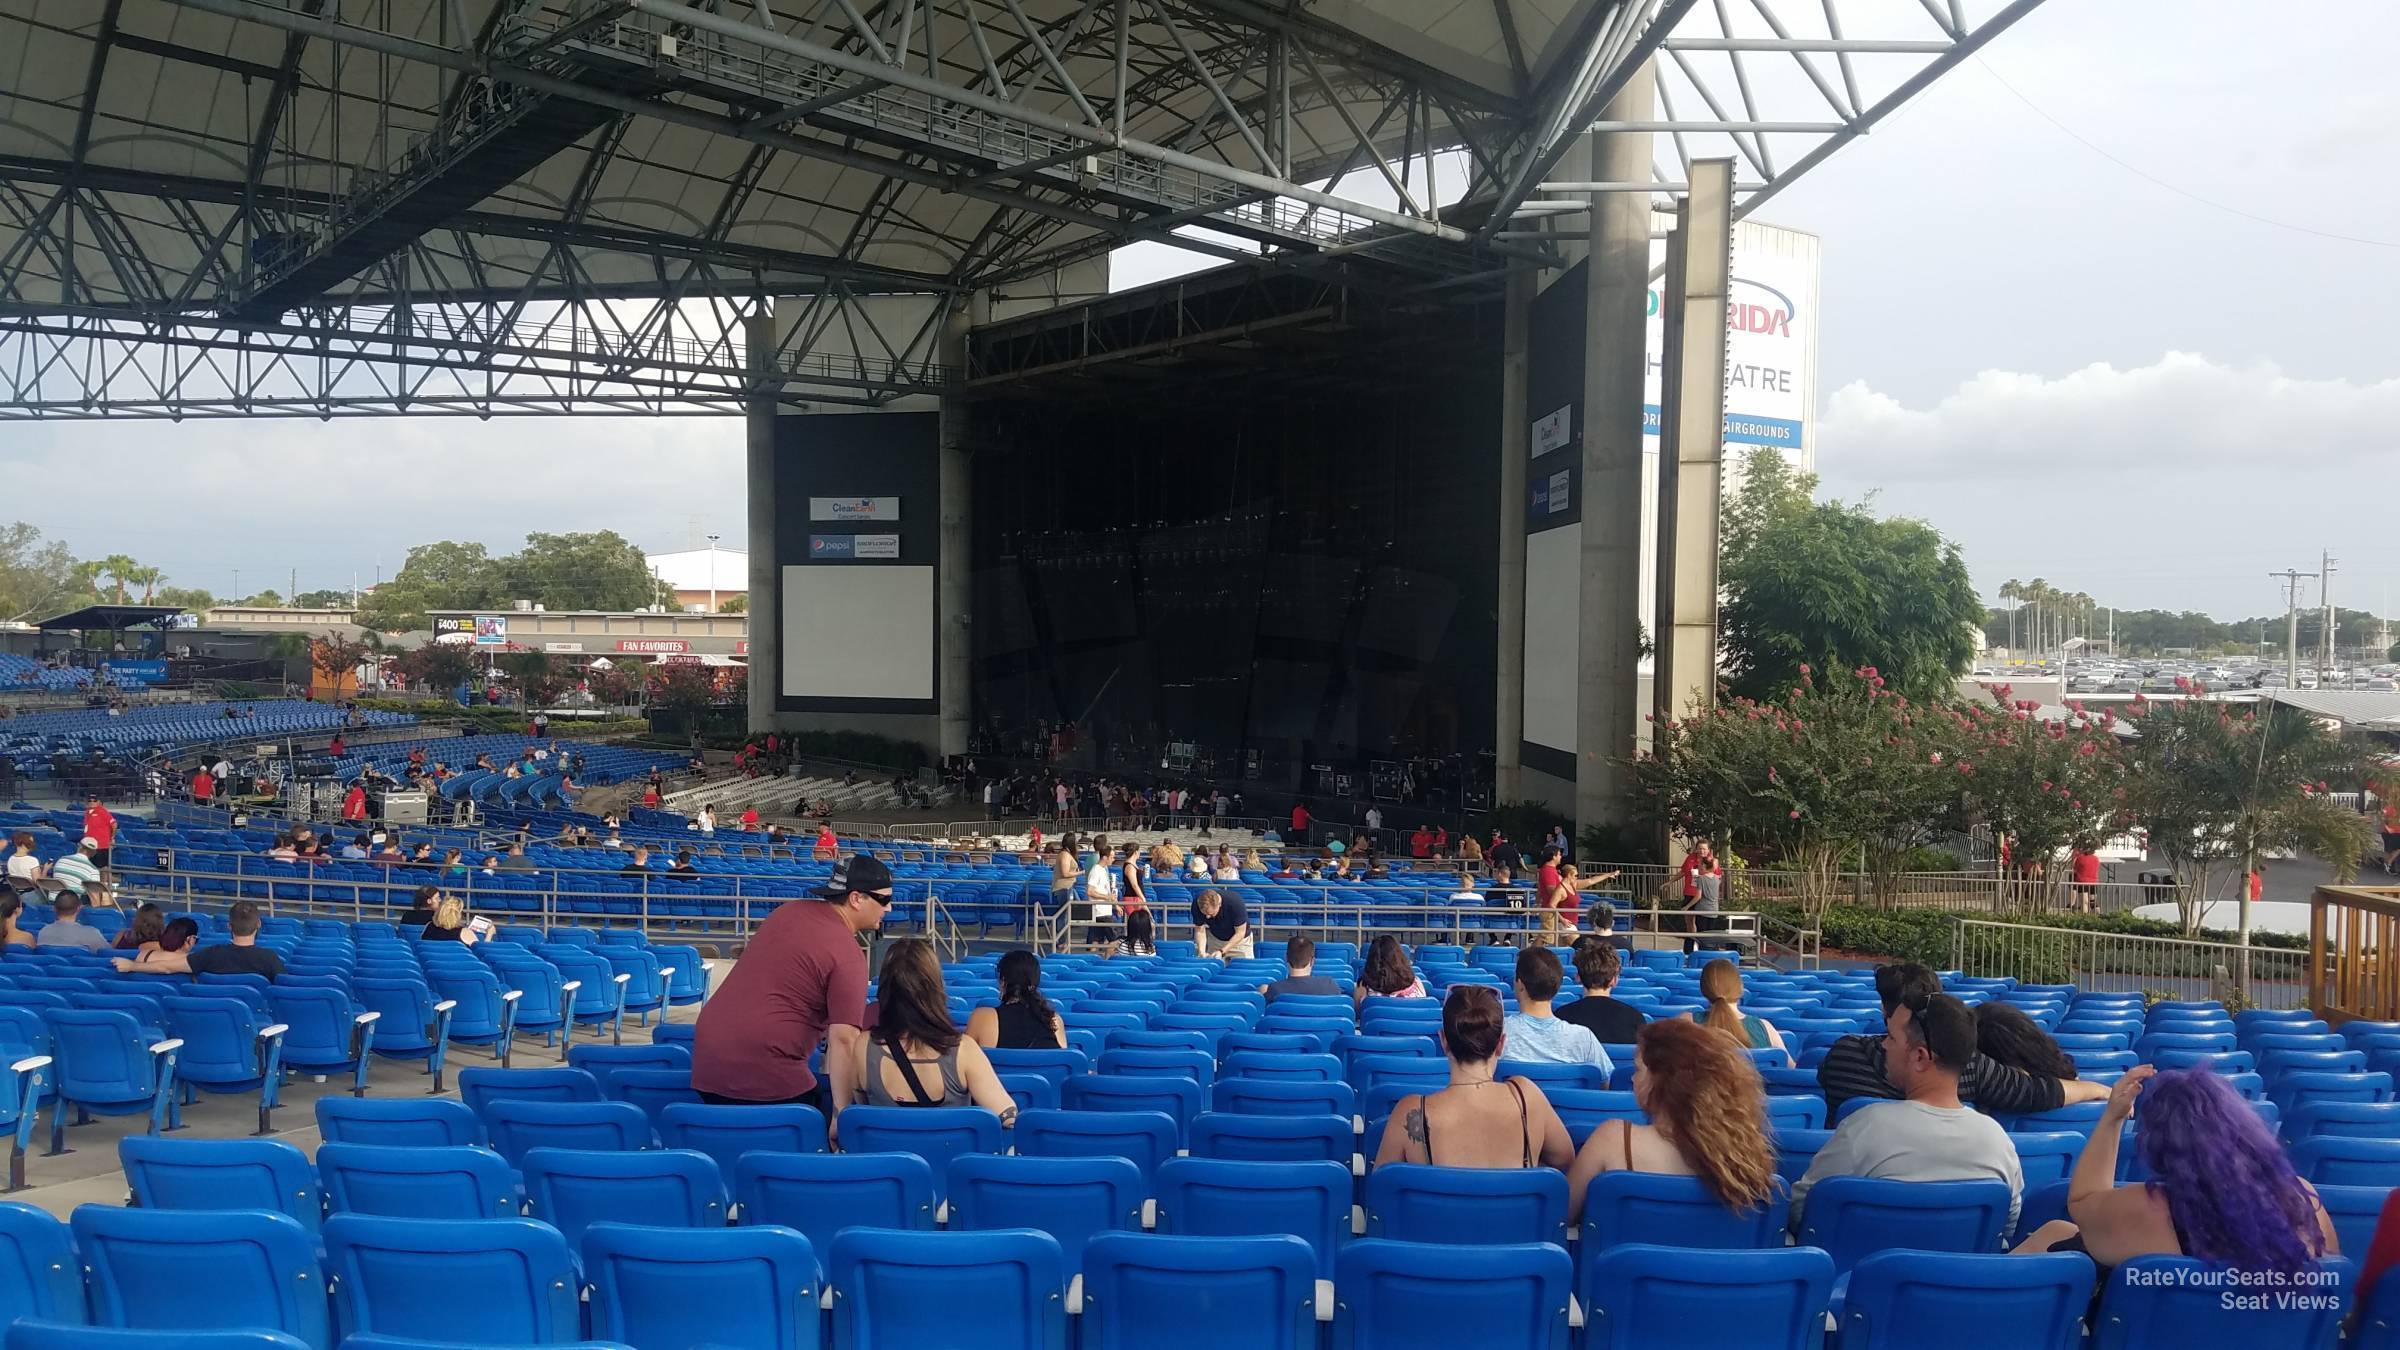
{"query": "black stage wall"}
(1283, 559)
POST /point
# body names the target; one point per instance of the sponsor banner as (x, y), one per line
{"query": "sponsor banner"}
(875, 545)
(562, 646)
(823, 546)
(148, 672)
(1743, 429)
(741, 647)
(1552, 432)
(1559, 491)
(1770, 339)
(854, 508)
(653, 646)
(461, 624)
(491, 630)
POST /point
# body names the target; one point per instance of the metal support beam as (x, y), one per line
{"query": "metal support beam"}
(1516, 434)
(765, 622)
(1691, 448)
(954, 562)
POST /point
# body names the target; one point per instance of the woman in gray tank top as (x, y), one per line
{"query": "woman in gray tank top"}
(915, 1057)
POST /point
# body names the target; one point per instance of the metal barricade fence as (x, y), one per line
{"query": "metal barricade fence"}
(2263, 977)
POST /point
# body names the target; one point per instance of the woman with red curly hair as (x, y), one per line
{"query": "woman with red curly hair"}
(1708, 1119)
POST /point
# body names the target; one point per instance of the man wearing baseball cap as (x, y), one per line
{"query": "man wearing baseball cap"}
(801, 981)
(80, 872)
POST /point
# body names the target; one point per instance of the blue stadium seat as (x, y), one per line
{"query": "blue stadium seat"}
(37, 1335)
(725, 1133)
(2379, 1120)
(479, 1087)
(229, 1048)
(212, 1174)
(1415, 1202)
(1415, 1296)
(1269, 1097)
(1149, 1292)
(1289, 1068)
(39, 1275)
(1193, 1065)
(820, 1194)
(164, 1270)
(411, 1023)
(1673, 1211)
(936, 1134)
(485, 1011)
(507, 1281)
(572, 1189)
(603, 1061)
(753, 1286)
(1071, 1199)
(654, 1090)
(1642, 1295)
(2378, 1318)
(326, 1033)
(1147, 1138)
(1852, 1218)
(1218, 1197)
(1901, 1300)
(1055, 1065)
(2348, 1160)
(106, 1065)
(2047, 1157)
(457, 1182)
(1232, 1134)
(426, 1122)
(906, 1291)
(2354, 1211)
(516, 1126)
(2170, 1303)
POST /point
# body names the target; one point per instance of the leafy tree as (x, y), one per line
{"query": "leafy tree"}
(614, 684)
(735, 604)
(682, 687)
(190, 598)
(146, 577)
(119, 569)
(2221, 786)
(536, 676)
(2043, 784)
(269, 598)
(442, 575)
(1830, 585)
(599, 570)
(38, 577)
(334, 598)
(338, 658)
(437, 665)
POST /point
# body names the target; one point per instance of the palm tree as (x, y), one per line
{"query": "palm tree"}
(2013, 590)
(2038, 594)
(148, 578)
(119, 569)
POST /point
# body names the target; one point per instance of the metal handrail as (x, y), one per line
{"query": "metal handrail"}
(2263, 977)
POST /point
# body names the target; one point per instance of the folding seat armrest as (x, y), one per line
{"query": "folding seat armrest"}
(167, 1046)
(31, 1063)
(365, 1018)
(267, 1033)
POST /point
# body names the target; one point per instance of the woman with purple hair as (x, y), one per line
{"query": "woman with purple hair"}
(2220, 1187)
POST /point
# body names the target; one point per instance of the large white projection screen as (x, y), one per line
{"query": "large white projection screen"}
(1553, 635)
(857, 632)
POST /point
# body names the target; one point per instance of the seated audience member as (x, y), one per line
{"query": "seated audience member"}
(1476, 1121)
(420, 907)
(914, 1056)
(11, 910)
(1930, 1135)
(1387, 972)
(1024, 1020)
(1536, 1034)
(79, 872)
(1597, 965)
(1708, 1119)
(683, 865)
(2221, 1187)
(2005, 1035)
(355, 850)
(1140, 935)
(148, 922)
(69, 929)
(1300, 957)
(1854, 1065)
(449, 922)
(24, 865)
(638, 864)
(177, 936)
(284, 849)
(1721, 985)
(240, 956)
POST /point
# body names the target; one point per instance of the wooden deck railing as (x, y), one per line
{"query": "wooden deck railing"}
(2353, 933)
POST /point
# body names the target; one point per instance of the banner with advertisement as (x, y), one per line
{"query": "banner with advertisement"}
(653, 646)
(491, 630)
(854, 508)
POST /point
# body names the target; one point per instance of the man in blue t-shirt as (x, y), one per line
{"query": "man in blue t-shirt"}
(1531, 1033)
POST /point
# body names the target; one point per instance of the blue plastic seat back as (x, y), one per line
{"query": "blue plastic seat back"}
(170, 1270)
(33, 1335)
(1852, 1218)
(1415, 1202)
(2354, 1211)
(2047, 1157)
(654, 1090)
(2348, 1160)
(1216, 1197)
(1583, 1110)
(1143, 1291)
(1284, 1067)
(169, 1172)
(39, 1275)
(220, 1040)
(480, 1086)
(1901, 1300)
(752, 1286)
(903, 1291)
(1232, 1134)
(1673, 1211)
(1056, 1065)
(1176, 1098)
(2173, 1303)
(2375, 1120)
(1773, 1299)
(102, 1056)
(1147, 1138)
(1260, 1096)
(820, 1194)
(602, 1061)
(1071, 1199)
(936, 1134)
(400, 1122)
(725, 1133)
(1416, 1296)
(572, 1189)
(499, 1281)
(454, 1182)
(513, 1127)
(320, 1022)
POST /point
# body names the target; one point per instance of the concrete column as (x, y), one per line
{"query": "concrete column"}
(765, 610)
(1609, 589)
(954, 577)
(1508, 774)
(1691, 449)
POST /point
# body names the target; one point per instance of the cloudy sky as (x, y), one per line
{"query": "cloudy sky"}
(2049, 347)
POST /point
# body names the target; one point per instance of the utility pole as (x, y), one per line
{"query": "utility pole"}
(2325, 597)
(712, 574)
(2291, 642)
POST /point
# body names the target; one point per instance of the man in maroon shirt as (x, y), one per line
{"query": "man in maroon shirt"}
(802, 980)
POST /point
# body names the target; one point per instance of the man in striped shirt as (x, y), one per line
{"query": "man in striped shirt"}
(1854, 1065)
(77, 871)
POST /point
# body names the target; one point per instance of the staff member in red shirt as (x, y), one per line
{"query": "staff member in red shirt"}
(101, 828)
(1299, 824)
(802, 981)
(354, 802)
(2086, 874)
(204, 784)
